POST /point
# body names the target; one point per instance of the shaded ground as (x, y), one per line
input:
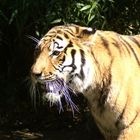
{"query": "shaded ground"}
(74, 133)
(51, 126)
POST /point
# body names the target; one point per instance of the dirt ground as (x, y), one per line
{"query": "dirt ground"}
(62, 134)
(78, 132)
(41, 126)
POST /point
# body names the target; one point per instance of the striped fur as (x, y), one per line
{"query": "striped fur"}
(104, 66)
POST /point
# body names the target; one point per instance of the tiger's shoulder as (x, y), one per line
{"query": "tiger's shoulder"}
(111, 39)
(112, 34)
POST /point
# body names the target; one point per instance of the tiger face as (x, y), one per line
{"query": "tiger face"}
(66, 59)
(104, 66)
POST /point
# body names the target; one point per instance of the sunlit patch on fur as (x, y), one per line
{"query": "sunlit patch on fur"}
(57, 88)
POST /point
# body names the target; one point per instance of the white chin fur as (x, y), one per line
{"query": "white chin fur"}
(80, 85)
(53, 97)
(77, 85)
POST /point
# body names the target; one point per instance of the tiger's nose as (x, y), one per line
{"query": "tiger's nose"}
(37, 75)
(36, 72)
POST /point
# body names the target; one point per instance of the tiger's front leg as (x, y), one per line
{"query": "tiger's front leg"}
(132, 132)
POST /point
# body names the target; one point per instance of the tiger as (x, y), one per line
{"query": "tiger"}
(103, 66)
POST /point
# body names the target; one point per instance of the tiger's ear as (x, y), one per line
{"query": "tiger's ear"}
(87, 36)
(86, 32)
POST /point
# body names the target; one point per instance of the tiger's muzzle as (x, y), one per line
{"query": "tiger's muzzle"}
(54, 89)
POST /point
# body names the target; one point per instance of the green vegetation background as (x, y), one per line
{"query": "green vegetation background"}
(19, 18)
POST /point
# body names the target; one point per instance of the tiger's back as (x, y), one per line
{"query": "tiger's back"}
(104, 66)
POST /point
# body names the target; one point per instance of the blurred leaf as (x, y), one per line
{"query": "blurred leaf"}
(79, 5)
(37, 33)
(94, 4)
(112, 1)
(56, 21)
(14, 14)
(85, 8)
(90, 18)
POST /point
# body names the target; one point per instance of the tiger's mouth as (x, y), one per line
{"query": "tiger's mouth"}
(55, 89)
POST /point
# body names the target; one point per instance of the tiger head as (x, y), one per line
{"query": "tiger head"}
(63, 57)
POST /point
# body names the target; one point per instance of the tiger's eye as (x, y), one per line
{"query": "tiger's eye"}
(56, 53)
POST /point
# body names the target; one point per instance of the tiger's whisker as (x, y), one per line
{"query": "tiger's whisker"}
(33, 38)
(57, 87)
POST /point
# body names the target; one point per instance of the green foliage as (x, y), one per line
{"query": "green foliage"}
(37, 16)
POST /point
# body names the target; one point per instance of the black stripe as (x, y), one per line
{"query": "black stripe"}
(69, 32)
(133, 51)
(66, 36)
(102, 99)
(135, 41)
(77, 29)
(116, 44)
(73, 52)
(70, 45)
(120, 118)
(105, 43)
(56, 68)
(115, 102)
(82, 75)
(50, 34)
(58, 47)
(63, 59)
(97, 63)
(59, 37)
(69, 29)
(133, 119)
(121, 40)
(104, 90)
